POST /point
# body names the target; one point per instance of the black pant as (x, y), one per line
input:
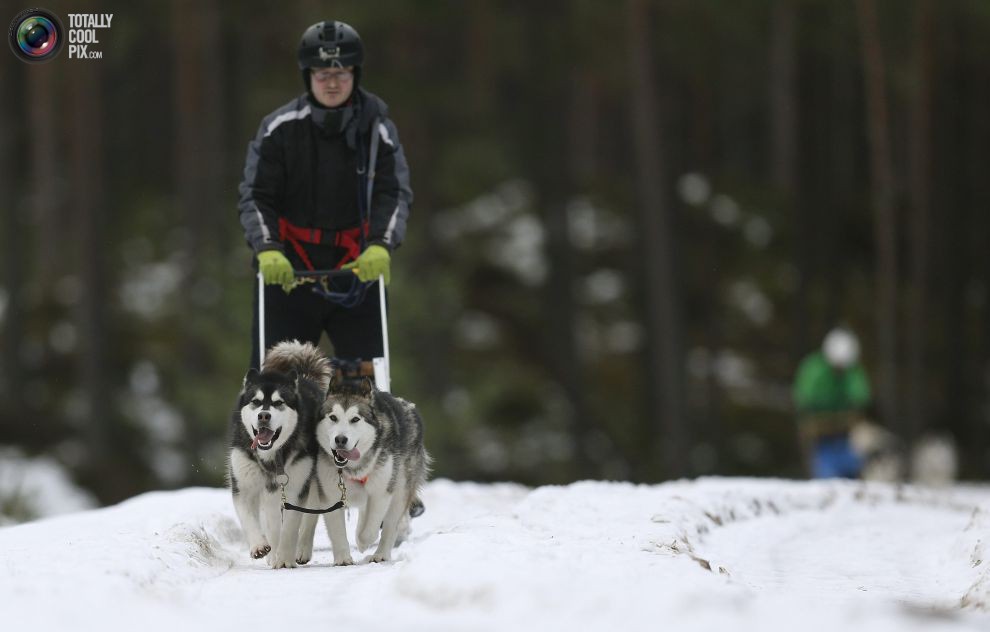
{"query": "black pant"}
(355, 332)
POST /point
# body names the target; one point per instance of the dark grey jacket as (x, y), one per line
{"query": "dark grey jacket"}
(306, 165)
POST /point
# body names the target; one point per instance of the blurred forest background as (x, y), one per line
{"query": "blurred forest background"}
(632, 220)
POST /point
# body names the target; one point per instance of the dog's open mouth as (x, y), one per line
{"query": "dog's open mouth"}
(343, 456)
(264, 438)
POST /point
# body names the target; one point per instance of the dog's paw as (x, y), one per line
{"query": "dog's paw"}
(344, 561)
(304, 554)
(259, 551)
(378, 558)
(279, 563)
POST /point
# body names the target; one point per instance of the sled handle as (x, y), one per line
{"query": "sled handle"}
(388, 367)
(261, 320)
(338, 274)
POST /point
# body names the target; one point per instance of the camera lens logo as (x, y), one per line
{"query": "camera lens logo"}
(36, 35)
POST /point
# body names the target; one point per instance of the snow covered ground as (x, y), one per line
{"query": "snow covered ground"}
(32, 487)
(713, 554)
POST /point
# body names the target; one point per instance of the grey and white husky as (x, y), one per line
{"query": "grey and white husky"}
(271, 434)
(376, 440)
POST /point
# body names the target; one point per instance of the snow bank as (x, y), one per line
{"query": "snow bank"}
(713, 554)
(36, 487)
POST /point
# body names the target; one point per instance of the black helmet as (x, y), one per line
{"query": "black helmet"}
(330, 43)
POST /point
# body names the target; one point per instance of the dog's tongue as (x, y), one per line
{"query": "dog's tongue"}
(264, 436)
(351, 455)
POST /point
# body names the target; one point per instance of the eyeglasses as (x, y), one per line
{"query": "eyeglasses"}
(340, 76)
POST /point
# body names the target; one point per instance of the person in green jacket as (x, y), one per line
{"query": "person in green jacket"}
(831, 392)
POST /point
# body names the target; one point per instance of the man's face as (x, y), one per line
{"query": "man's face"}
(332, 87)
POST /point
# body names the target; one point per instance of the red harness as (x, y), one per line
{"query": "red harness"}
(349, 239)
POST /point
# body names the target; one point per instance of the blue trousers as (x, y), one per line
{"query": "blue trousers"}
(833, 457)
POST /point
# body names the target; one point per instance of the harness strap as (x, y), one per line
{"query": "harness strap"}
(372, 160)
(349, 239)
(282, 478)
(337, 506)
(294, 234)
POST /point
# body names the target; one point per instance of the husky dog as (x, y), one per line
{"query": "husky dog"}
(376, 441)
(271, 435)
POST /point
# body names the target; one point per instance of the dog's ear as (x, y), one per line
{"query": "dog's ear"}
(367, 387)
(294, 378)
(250, 376)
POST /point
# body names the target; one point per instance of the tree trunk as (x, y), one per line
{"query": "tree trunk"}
(197, 158)
(783, 97)
(198, 122)
(919, 193)
(561, 312)
(478, 56)
(841, 186)
(885, 221)
(45, 185)
(555, 184)
(663, 329)
(784, 108)
(86, 163)
(11, 375)
(974, 134)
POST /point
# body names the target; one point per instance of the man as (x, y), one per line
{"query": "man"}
(831, 392)
(326, 185)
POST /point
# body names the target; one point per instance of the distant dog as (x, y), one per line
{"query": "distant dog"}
(879, 450)
(934, 460)
(376, 441)
(271, 434)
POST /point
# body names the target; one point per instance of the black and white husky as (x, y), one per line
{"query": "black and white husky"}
(271, 436)
(376, 440)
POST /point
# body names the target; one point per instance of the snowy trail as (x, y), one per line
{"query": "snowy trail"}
(901, 554)
(736, 554)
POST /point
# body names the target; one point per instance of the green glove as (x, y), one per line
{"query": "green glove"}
(276, 269)
(373, 261)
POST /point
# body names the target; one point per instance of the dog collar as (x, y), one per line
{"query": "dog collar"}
(362, 481)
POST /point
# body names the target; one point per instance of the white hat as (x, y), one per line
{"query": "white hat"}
(841, 348)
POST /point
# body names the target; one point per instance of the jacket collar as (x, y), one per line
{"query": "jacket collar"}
(333, 120)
